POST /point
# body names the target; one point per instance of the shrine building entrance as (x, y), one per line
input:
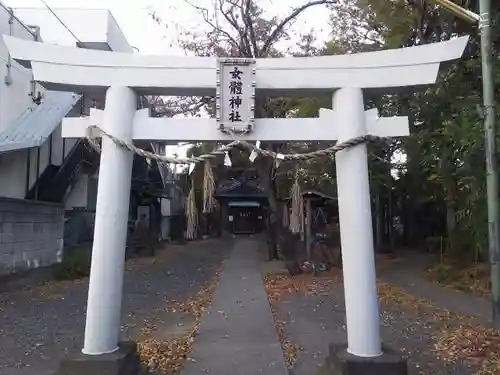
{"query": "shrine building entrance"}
(245, 217)
(243, 206)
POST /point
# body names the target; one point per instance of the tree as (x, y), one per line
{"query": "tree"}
(445, 158)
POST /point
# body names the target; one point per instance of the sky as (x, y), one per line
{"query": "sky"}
(151, 38)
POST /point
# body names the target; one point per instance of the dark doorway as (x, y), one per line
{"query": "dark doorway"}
(244, 220)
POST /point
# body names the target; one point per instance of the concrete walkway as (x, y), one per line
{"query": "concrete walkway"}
(238, 334)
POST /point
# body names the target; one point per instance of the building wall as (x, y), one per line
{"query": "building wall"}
(16, 181)
(78, 195)
(105, 33)
(31, 232)
(31, 235)
(13, 174)
(19, 170)
(15, 88)
(15, 83)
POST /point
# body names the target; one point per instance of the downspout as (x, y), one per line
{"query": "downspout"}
(36, 37)
(8, 76)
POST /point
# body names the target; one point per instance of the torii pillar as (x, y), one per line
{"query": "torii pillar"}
(356, 233)
(102, 352)
(102, 328)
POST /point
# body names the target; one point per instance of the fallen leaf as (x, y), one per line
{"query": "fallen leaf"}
(169, 356)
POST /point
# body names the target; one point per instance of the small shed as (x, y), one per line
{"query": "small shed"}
(320, 217)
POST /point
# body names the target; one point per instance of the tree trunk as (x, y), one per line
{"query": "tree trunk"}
(451, 224)
(265, 171)
(378, 223)
(412, 148)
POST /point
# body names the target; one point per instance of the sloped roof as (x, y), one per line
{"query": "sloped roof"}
(314, 194)
(34, 126)
(240, 188)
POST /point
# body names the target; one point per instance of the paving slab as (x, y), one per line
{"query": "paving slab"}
(238, 333)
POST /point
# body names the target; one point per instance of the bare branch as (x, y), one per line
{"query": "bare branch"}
(206, 18)
(249, 27)
(229, 16)
(275, 34)
(167, 107)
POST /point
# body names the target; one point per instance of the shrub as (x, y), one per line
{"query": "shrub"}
(75, 265)
(442, 273)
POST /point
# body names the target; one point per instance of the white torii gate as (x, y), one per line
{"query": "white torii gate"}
(124, 76)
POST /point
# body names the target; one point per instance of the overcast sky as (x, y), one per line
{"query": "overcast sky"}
(142, 32)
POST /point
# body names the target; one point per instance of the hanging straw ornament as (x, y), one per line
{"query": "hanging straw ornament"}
(286, 216)
(208, 189)
(191, 215)
(297, 214)
(227, 160)
(254, 153)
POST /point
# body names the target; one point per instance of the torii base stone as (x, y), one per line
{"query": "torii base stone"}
(341, 362)
(124, 361)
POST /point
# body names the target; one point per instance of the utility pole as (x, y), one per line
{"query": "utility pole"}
(490, 148)
(484, 21)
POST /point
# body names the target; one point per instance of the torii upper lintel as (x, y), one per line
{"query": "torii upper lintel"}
(80, 70)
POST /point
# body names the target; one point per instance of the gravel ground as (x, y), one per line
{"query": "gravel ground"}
(41, 325)
(314, 322)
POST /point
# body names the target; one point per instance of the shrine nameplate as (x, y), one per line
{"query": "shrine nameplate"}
(235, 97)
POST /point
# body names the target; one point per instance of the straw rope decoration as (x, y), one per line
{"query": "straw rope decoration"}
(191, 215)
(296, 217)
(94, 132)
(208, 189)
(286, 216)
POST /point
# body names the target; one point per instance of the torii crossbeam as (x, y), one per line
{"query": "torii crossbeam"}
(325, 127)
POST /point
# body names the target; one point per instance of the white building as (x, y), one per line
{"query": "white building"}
(43, 175)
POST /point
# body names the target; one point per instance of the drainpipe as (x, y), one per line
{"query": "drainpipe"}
(36, 38)
(8, 75)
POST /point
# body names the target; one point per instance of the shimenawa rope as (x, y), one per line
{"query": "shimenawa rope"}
(95, 131)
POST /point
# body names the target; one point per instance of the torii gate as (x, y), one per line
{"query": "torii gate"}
(124, 76)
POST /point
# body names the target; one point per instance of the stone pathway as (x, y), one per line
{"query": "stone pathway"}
(238, 334)
(40, 325)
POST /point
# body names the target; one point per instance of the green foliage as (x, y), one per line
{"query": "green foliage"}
(442, 273)
(75, 266)
(445, 153)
